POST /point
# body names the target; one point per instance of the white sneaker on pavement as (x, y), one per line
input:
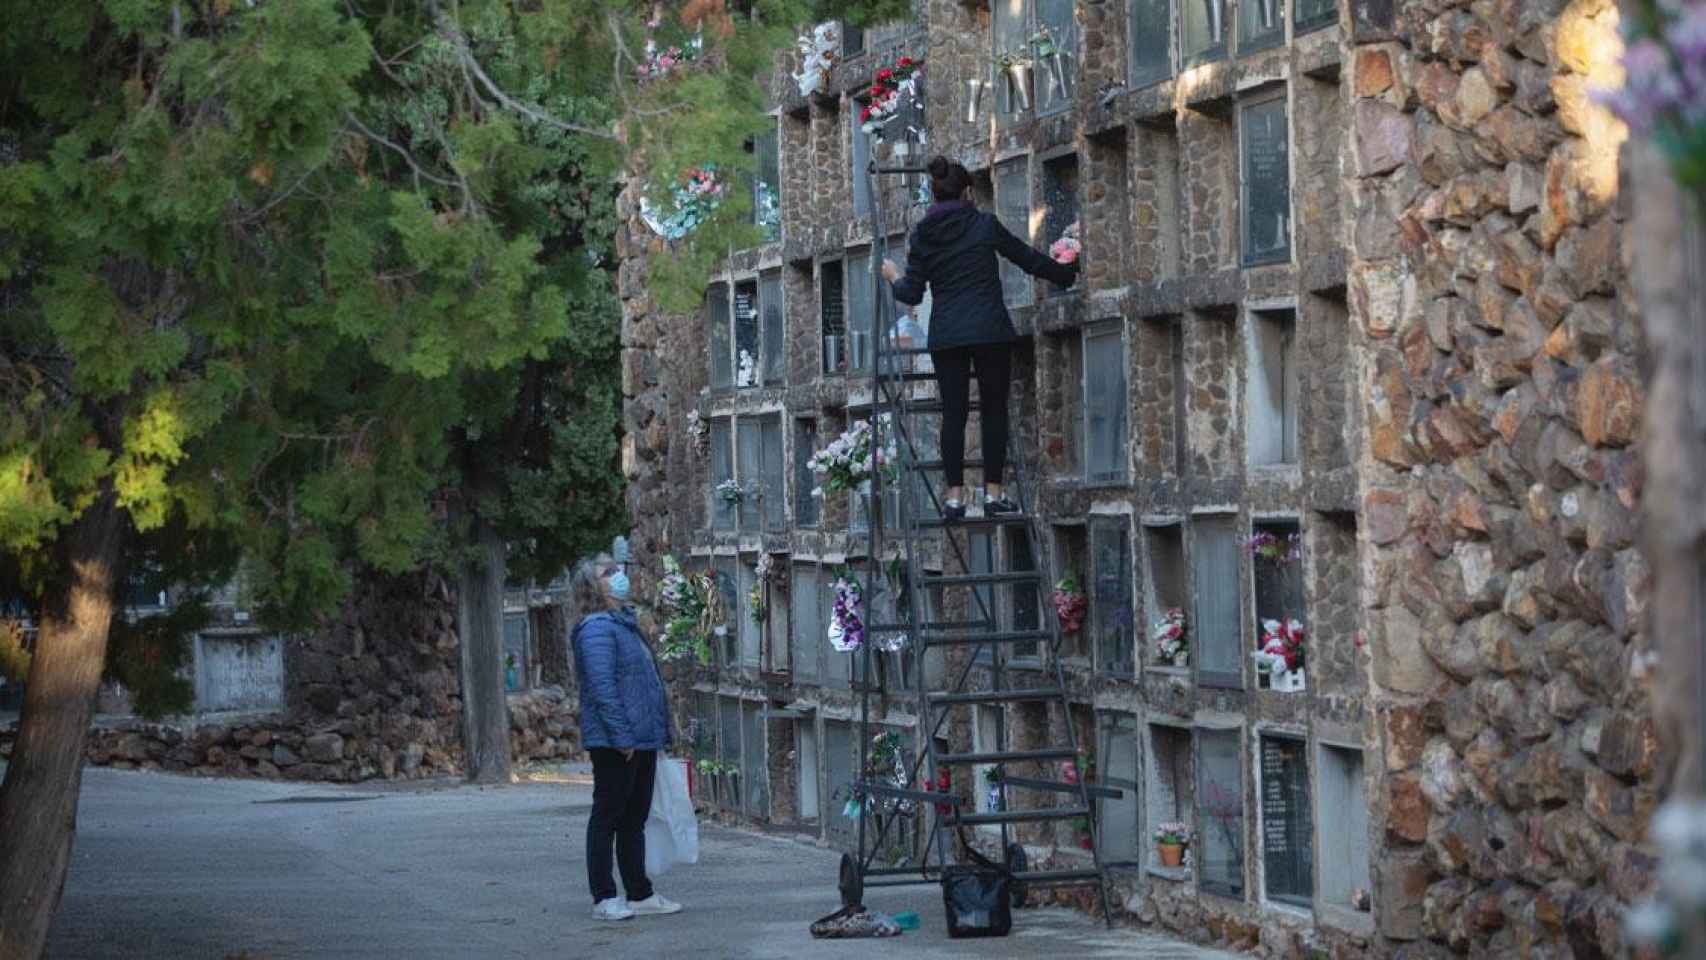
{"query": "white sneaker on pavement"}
(614, 908)
(654, 905)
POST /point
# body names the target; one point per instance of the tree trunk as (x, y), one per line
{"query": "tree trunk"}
(38, 801)
(480, 612)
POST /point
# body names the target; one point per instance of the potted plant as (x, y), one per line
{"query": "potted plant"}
(1171, 645)
(1070, 603)
(1171, 839)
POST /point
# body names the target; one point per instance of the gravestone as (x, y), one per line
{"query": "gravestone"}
(1286, 833)
(1266, 179)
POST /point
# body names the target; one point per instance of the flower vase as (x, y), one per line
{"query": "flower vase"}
(1056, 62)
(511, 680)
(1181, 659)
(974, 98)
(1019, 84)
(1172, 854)
(995, 799)
(1287, 681)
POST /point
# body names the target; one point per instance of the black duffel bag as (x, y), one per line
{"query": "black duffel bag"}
(977, 896)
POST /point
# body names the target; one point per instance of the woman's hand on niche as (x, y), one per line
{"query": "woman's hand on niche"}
(891, 273)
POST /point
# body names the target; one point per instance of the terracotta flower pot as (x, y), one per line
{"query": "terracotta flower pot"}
(1172, 854)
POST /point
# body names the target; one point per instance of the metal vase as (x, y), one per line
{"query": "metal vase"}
(974, 98)
(1057, 73)
(1019, 75)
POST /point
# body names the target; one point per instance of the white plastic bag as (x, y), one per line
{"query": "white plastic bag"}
(672, 829)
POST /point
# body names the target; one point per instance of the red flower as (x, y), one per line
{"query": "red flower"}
(884, 74)
(865, 114)
(878, 90)
(904, 62)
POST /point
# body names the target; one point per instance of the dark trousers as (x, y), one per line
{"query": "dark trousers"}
(621, 801)
(992, 364)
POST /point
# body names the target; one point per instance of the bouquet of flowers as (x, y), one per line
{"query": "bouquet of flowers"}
(846, 623)
(756, 604)
(1282, 643)
(1070, 604)
(1266, 546)
(1067, 248)
(887, 86)
(1173, 833)
(694, 199)
(1169, 635)
(850, 459)
(730, 491)
(693, 607)
(817, 58)
(660, 60)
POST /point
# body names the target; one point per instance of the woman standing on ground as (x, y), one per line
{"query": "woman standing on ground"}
(624, 725)
(952, 251)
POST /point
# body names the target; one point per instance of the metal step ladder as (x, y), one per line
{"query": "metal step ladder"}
(893, 408)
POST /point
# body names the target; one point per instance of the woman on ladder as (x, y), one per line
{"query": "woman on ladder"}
(952, 252)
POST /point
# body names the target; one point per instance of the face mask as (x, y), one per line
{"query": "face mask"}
(619, 585)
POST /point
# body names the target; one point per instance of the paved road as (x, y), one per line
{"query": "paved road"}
(176, 867)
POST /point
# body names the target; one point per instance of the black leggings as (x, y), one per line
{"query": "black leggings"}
(621, 802)
(993, 366)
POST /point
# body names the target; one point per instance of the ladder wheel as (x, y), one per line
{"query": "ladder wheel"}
(1017, 863)
(852, 882)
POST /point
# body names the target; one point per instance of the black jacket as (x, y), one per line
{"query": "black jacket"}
(953, 252)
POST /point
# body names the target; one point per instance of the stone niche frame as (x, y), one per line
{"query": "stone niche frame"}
(1169, 789)
(1273, 391)
(1268, 791)
(1249, 102)
(238, 669)
(1343, 839)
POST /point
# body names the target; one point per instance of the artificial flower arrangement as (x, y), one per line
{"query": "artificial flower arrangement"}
(850, 460)
(694, 199)
(659, 60)
(1171, 839)
(888, 85)
(846, 619)
(730, 491)
(692, 606)
(1168, 633)
(768, 209)
(817, 58)
(756, 603)
(1070, 604)
(1267, 546)
(1281, 654)
(1067, 248)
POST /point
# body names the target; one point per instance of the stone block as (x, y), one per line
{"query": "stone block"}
(1406, 809)
(1405, 736)
(1628, 744)
(1401, 881)
(1382, 137)
(1374, 74)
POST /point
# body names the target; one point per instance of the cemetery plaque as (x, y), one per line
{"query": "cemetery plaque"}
(1151, 51)
(1286, 833)
(1313, 14)
(1267, 189)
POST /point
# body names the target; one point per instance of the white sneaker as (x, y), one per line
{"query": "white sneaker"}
(653, 905)
(614, 908)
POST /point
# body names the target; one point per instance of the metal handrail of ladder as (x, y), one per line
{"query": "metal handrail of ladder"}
(890, 387)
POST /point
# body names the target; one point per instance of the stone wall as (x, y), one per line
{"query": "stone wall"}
(1501, 391)
(1463, 479)
(373, 693)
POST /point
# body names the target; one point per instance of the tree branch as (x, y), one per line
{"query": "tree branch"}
(406, 155)
(509, 102)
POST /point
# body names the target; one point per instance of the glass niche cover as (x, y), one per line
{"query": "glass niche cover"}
(1265, 170)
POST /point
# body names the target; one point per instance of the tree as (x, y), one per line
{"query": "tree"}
(326, 285)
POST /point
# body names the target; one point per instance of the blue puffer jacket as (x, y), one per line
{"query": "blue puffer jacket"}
(622, 698)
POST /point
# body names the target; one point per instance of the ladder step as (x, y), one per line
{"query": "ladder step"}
(1019, 816)
(938, 465)
(1008, 636)
(1041, 877)
(1057, 786)
(1006, 756)
(997, 696)
(1005, 518)
(930, 626)
(980, 579)
(935, 406)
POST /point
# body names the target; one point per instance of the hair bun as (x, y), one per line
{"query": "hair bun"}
(938, 167)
